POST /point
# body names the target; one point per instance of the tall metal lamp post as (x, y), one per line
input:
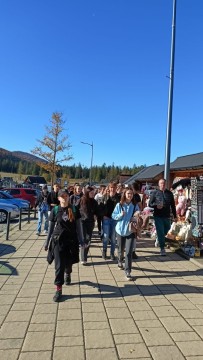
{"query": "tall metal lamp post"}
(170, 101)
(82, 142)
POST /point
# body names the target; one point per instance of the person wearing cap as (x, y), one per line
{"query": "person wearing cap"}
(42, 205)
(62, 240)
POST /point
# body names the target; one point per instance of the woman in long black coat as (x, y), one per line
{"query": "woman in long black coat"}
(62, 242)
(88, 211)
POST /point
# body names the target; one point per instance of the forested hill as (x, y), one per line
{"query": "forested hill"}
(19, 162)
(19, 154)
(26, 156)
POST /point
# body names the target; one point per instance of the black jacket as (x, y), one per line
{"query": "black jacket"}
(168, 203)
(68, 240)
(52, 199)
(88, 210)
(108, 204)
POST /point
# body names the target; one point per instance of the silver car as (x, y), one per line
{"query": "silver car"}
(6, 208)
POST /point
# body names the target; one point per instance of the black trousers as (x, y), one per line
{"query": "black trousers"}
(99, 223)
(63, 264)
(88, 227)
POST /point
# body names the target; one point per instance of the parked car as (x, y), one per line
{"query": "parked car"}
(23, 193)
(20, 203)
(5, 208)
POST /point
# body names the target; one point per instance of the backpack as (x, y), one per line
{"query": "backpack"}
(56, 209)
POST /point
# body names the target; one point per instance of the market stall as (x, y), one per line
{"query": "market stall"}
(186, 234)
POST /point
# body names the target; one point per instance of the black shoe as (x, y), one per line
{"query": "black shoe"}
(113, 257)
(67, 279)
(104, 255)
(134, 255)
(57, 296)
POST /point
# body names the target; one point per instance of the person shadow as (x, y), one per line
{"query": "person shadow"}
(5, 268)
(129, 289)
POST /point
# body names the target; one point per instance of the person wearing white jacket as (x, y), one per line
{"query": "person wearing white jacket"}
(123, 213)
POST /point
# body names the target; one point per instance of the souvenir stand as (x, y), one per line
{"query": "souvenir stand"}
(197, 213)
(180, 236)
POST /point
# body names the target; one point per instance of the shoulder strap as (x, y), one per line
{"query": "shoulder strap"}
(133, 211)
(56, 208)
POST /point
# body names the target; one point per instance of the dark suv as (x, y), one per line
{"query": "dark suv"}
(23, 193)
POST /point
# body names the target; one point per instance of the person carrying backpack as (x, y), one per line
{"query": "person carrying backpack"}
(62, 242)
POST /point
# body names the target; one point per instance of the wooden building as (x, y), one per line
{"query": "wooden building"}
(183, 167)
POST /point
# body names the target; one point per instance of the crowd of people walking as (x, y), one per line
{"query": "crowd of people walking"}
(72, 214)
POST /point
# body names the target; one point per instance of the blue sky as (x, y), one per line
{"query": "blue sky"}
(104, 64)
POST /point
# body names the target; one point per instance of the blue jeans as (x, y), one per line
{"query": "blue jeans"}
(163, 225)
(42, 214)
(109, 233)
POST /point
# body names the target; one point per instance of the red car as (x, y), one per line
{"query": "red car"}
(23, 193)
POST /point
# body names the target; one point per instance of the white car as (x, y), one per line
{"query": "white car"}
(5, 208)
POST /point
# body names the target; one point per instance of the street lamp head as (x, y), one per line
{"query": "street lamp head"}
(82, 142)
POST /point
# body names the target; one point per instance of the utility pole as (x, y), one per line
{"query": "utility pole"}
(170, 100)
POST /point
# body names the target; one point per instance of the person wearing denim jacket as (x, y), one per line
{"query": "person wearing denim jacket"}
(123, 214)
(42, 205)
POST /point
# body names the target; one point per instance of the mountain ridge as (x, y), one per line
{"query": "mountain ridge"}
(22, 155)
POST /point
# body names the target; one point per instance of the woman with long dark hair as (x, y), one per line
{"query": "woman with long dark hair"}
(88, 212)
(123, 213)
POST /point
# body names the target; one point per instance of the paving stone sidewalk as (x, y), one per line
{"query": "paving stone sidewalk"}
(157, 316)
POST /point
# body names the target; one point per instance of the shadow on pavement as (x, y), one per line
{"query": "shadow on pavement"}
(131, 289)
(5, 267)
(6, 249)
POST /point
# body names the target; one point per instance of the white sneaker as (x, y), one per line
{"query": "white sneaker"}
(156, 243)
(83, 262)
(38, 233)
(128, 276)
(45, 232)
(120, 265)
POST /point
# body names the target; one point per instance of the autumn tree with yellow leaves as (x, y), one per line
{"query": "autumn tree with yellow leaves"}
(52, 146)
